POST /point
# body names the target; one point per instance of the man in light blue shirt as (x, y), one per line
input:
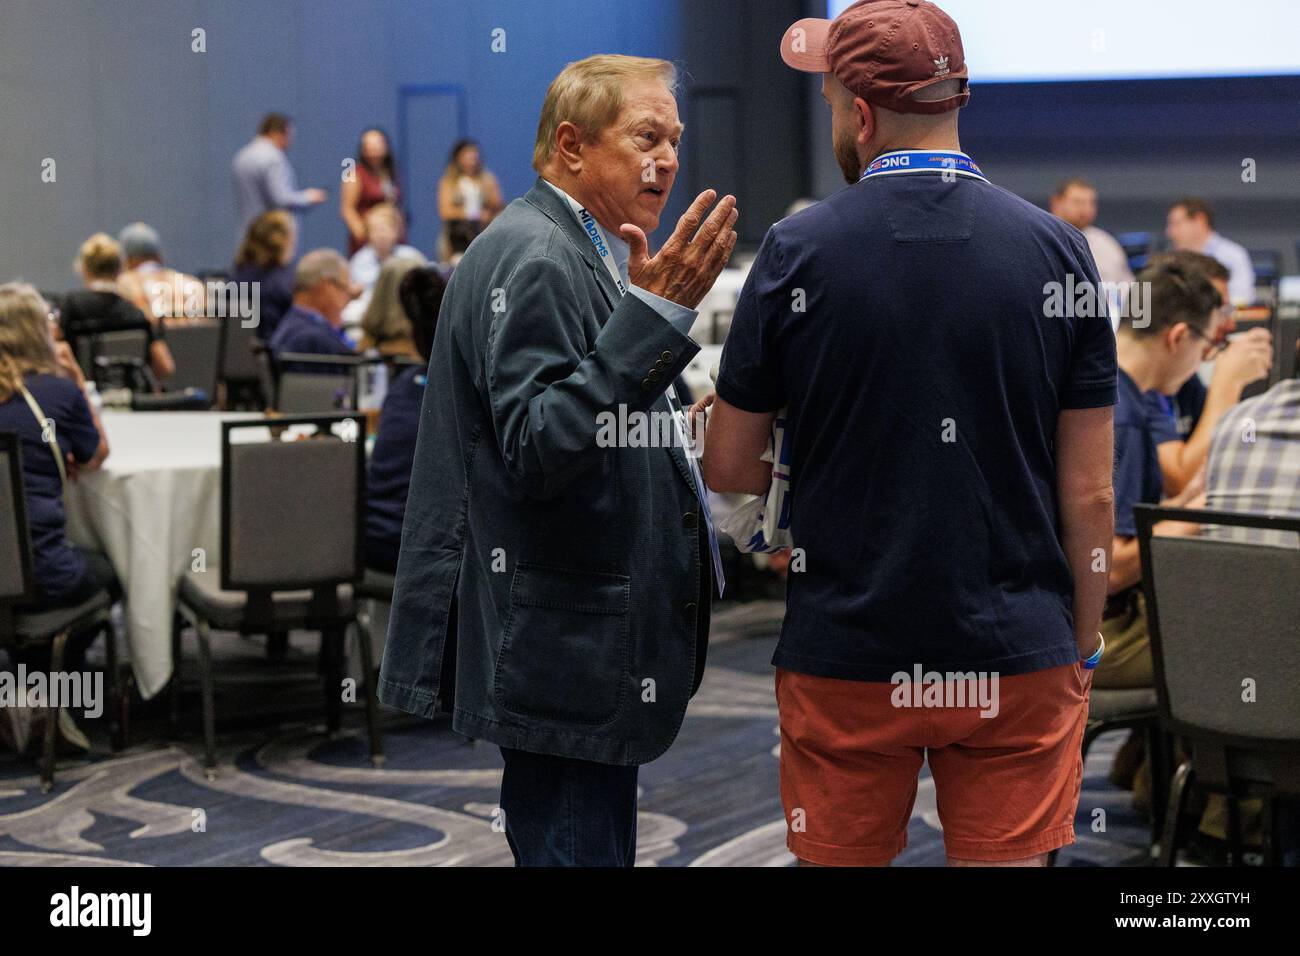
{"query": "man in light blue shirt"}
(1191, 227)
(263, 177)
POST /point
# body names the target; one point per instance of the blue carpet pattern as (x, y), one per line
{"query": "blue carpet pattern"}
(286, 795)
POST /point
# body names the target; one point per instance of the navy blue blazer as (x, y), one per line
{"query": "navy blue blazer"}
(551, 593)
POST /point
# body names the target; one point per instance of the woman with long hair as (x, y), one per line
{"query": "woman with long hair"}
(43, 400)
(375, 182)
(469, 196)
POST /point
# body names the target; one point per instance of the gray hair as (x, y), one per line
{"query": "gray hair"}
(317, 266)
(140, 241)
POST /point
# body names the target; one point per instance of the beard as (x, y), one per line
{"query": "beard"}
(846, 155)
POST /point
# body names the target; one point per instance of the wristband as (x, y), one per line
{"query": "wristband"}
(1089, 663)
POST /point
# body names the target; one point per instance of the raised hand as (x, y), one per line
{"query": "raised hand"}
(689, 262)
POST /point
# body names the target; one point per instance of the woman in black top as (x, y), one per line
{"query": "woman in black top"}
(266, 257)
(98, 308)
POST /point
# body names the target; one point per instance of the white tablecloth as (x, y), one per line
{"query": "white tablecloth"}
(157, 498)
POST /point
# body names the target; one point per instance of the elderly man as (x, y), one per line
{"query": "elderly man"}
(950, 468)
(159, 292)
(552, 589)
(322, 287)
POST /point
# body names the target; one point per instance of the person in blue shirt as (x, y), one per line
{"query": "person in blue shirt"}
(35, 368)
(1158, 357)
(322, 286)
(1196, 410)
(393, 455)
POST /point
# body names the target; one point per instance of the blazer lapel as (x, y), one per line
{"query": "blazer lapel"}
(544, 197)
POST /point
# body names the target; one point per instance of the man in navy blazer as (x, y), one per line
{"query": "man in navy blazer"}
(552, 587)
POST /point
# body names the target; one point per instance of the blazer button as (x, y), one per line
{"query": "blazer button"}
(645, 383)
(689, 608)
(666, 357)
(653, 375)
(659, 366)
(688, 520)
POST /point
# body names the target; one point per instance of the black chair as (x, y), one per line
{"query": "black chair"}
(1221, 610)
(241, 373)
(196, 348)
(21, 629)
(309, 384)
(292, 535)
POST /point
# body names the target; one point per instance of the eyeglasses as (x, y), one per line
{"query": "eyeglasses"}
(1212, 346)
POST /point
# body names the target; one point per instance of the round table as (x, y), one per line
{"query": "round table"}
(153, 509)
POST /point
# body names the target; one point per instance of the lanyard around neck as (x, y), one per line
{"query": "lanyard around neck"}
(902, 161)
(597, 236)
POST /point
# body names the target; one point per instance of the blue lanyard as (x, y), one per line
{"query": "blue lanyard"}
(922, 161)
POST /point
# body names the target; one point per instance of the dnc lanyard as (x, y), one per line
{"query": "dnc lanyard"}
(597, 236)
(923, 161)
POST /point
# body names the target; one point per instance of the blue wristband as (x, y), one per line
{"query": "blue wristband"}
(1089, 663)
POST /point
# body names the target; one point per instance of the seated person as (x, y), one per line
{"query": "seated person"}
(159, 292)
(33, 365)
(1159, 357)
(384, 228)
(314, 323)
(384, 325)
(100, 308)
(394, 451)
(1184, 423)
(266, 257)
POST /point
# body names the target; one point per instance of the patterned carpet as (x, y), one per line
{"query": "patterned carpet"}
(286, 795)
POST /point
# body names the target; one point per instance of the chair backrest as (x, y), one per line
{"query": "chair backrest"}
(238, 351)
(15, 544)
(124, 343)
(308, 384)
(292, 512)
(196, 349)
(308, 393)
(1224, 619)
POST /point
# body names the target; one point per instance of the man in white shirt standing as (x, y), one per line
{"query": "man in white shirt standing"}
(1191, 227)
(1075, 201)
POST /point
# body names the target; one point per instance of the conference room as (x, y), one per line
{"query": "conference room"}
(744, 433)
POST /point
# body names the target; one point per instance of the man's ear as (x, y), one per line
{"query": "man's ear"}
(568, 146)
(863, 109)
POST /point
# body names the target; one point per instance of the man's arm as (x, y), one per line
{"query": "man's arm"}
(733, 443)
(548, 387)
(1085, 450)
(281, 187)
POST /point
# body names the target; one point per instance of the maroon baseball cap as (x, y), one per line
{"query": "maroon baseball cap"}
(884, 51)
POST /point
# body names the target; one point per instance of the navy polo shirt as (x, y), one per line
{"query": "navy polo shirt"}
(58, 568)
(1188, 405)
(308, 333)
(903, 323)
(1141, 424)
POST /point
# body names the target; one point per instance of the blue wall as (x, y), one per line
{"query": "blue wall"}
(142, 128)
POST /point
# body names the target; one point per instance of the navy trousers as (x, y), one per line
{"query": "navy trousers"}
(565, 812)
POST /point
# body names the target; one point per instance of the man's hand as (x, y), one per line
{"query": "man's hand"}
(698, 413)
(316, 196)
(68, 362)
(689, 262)
(1248, 358)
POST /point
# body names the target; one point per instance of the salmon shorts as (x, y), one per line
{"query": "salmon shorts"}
(1006, 777)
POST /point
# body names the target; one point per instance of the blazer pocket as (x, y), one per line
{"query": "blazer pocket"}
(565, 651)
